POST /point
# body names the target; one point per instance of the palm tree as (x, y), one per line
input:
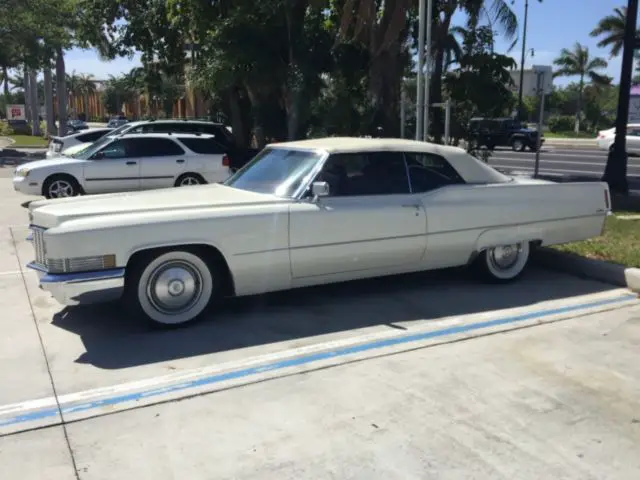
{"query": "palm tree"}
(86, 86)
(73, 89)
(611, 28)
(578, 63)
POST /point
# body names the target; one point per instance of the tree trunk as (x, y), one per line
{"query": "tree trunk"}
(35, 104)
(435, 91)
(61, 92)
(579, 105)
(27, 94)
(237, 124)
(48, 101)
(385, 80)
(5, 76)
(258, 120)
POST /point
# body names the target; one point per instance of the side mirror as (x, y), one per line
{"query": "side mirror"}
(319, 189)
(97, 156)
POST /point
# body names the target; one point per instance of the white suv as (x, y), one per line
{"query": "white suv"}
(127, 163)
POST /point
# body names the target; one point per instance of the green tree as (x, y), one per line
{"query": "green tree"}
(578, 63)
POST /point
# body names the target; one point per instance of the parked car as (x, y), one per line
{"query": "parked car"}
(503, 132)
(58, 144)
(126, 163)
(606, 138)
(75, 126)
(238, 157)
(117, 122)
(305, 213)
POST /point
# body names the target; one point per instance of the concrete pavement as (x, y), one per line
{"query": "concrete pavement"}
(420, 376)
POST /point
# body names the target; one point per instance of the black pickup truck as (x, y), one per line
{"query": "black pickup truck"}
(503, 132)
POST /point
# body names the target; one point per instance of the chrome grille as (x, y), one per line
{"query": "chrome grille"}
(77, 264)
(38, 246)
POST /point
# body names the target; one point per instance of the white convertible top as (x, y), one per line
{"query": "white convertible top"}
(470, 168)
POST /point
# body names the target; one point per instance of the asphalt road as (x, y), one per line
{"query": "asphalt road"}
(558, 161)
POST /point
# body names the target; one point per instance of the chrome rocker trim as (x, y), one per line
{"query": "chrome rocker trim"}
(82, 288)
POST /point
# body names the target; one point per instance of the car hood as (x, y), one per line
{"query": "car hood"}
(50, 213)
(54, 162)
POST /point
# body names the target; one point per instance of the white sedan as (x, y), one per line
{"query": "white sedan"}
(57, 145)
(126, 163)
(606, 138)
(300, 214)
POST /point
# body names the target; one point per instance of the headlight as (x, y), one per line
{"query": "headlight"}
(81, 264)
(24, 172)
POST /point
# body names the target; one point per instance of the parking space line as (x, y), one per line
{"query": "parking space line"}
(91, 403)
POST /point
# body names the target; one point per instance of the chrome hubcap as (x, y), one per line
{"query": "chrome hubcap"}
(506, 256)
(189, 181)
(174, 287)
(60, 188)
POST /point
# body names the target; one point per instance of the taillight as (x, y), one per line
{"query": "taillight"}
(225, 160)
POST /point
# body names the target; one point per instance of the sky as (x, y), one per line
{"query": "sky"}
(552, 25)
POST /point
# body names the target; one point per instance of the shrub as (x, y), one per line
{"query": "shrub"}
(5, 129)
(562, 123)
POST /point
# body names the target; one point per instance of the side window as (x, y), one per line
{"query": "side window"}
(114, 150)
(221, 134)
(153, 147)
(203, 145)
(428, 172)
(91, 136)
(375, 173)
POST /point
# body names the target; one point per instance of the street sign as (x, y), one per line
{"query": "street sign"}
(16, 112)
(547, 72)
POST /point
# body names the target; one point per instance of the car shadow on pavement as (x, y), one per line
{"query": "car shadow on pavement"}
(114, 340)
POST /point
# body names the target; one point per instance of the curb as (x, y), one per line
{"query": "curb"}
(602, 271)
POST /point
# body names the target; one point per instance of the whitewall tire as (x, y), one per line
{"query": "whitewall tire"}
(172, 288)
(504, 263)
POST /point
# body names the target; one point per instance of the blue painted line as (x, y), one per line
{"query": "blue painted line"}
(303, 360)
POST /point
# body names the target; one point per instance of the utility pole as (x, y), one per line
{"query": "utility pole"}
(615, 172)
(420, 90)
(427, 76)
(524, 47)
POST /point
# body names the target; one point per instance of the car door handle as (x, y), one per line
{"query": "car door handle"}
(132, 163)
(411, 205)
(180, 161)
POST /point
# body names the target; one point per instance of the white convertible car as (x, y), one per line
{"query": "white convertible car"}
(304, 213)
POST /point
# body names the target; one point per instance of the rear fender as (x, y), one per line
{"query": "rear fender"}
(507, 236)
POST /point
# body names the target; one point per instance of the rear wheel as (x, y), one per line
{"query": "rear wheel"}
(517, 145)
(171, 288)
(189, 179)
(503, 263)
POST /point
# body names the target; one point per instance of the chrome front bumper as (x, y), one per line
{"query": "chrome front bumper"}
(82, 288)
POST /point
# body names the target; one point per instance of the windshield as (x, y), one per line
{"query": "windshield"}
(276, 171)
(93, 148)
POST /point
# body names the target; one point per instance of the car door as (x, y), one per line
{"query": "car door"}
(113, 168)
(162, 161)
(369, 221)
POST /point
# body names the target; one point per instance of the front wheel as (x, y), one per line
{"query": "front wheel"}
(60, 186)
(172, 288)
(503, 263)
